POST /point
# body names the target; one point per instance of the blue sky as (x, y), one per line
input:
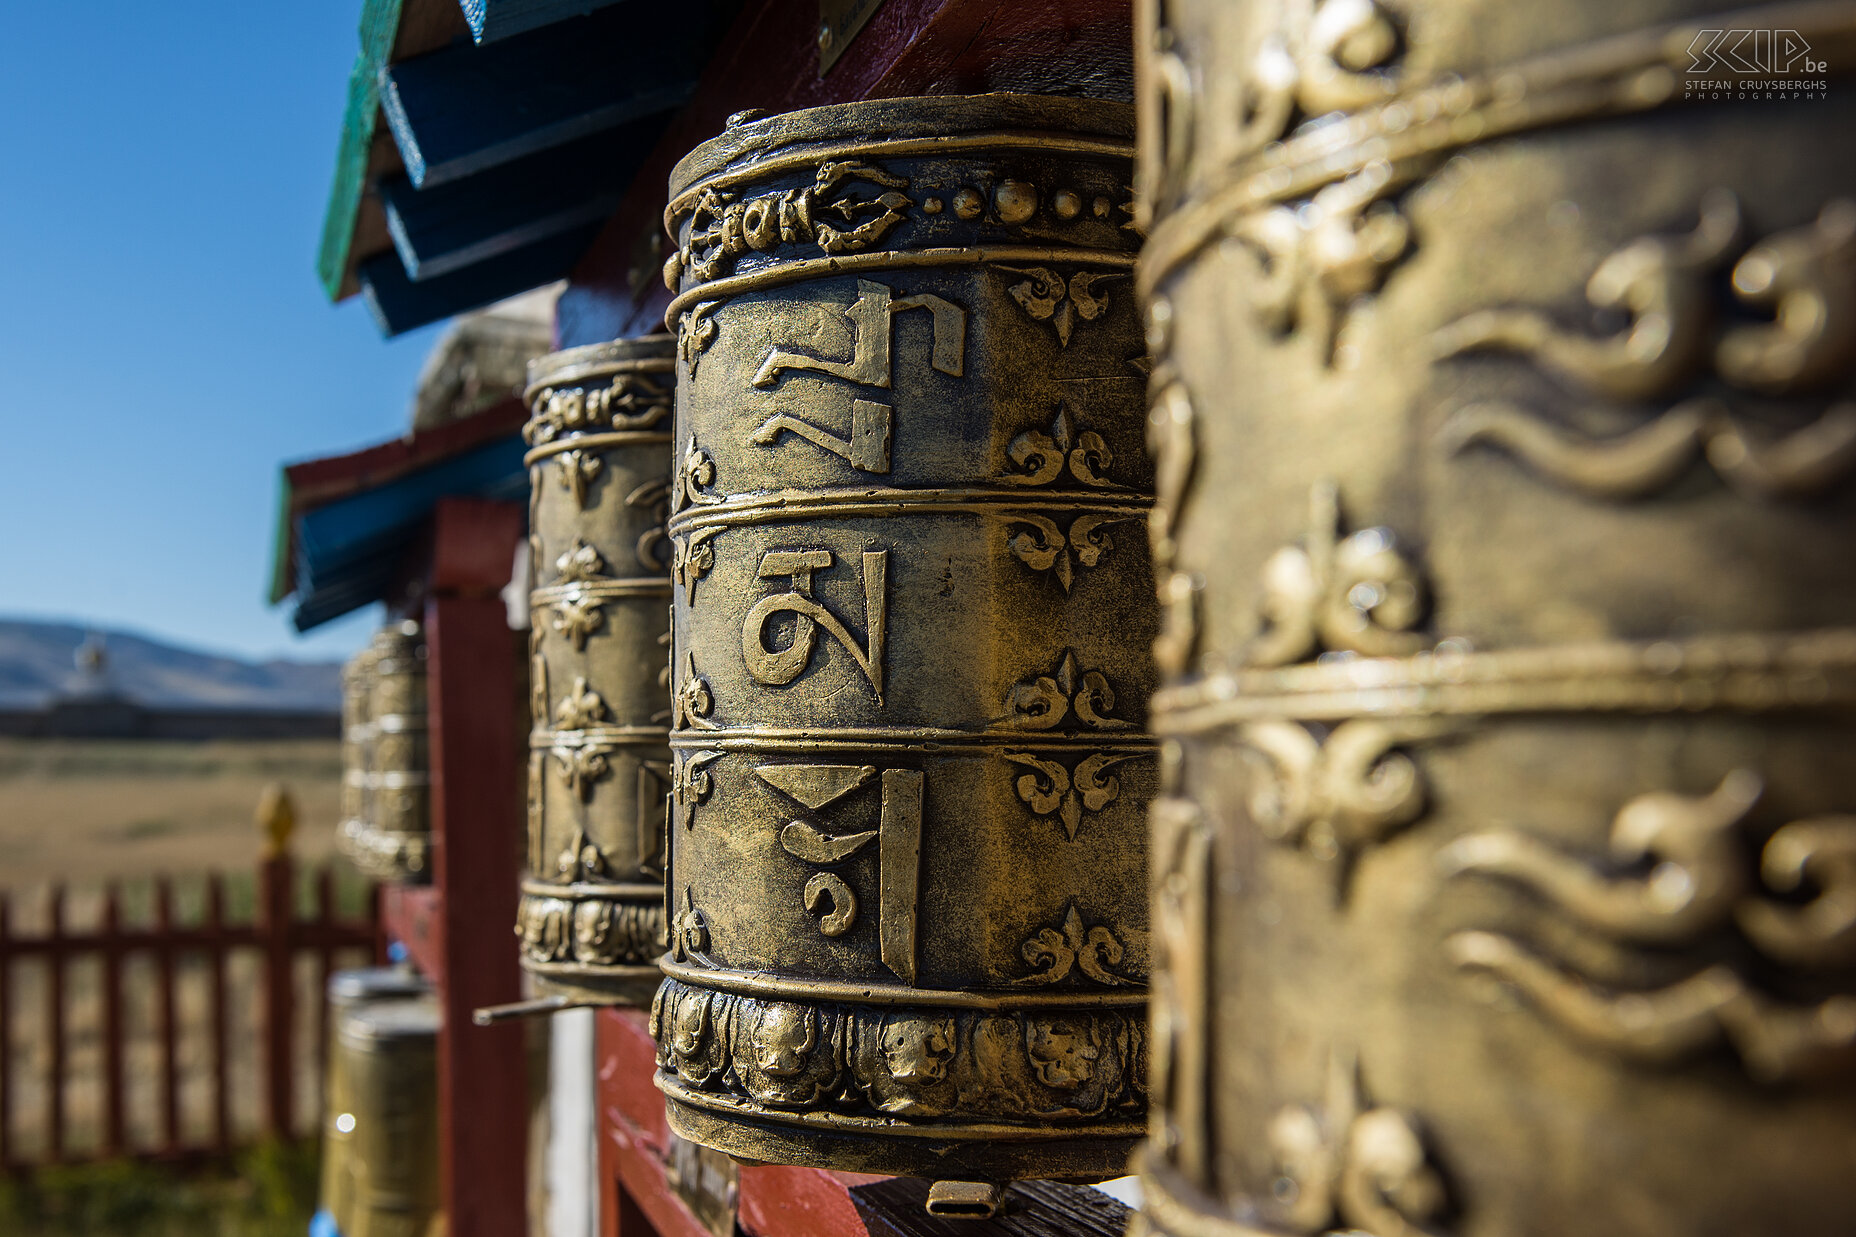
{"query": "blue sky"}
(163, 340)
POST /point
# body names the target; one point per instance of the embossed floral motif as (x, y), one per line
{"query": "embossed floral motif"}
(1325, 58)
(1051, 789)
(694, 476)
(630, 402)
(1357, 594)
(691, 783)
(1042, 545)
(1669, 286)
(1042, 457)
(580, 563)
(1044, 702)
(1055, 952)
(652, 496)
(1350, 1162)
(583, 765)
(689, 930)
(692, 558)
(694, 701)
(1320, 257)
(695, 332)
(577, 471)
(577, 617)
(1333, 796)
(581, 860)
(1678, 875)
(1048, 297)
(580, 708)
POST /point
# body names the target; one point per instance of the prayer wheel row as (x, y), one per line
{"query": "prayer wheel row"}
(591, 916)
(899, 822)
(1502, 401)
(385, 800)
(1498, 381)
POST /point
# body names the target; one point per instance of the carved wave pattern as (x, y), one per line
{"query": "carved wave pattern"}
(1805, 278)
(1681, 879)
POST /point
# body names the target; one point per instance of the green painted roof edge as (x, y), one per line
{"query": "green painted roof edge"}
(380, 23)
(283, 577)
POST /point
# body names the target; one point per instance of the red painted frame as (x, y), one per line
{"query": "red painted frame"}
(457, 930)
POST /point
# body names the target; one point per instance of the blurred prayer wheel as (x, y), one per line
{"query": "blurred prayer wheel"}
(592, 910)
(394, 845)
(347, 992)
(357, 734)
(909, 650)
(390, 1067)
(1503, 407)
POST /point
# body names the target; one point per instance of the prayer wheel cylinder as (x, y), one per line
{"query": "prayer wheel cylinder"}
(357, 735)
(1502, 401)
(395, 844)
(592, 909)
(390, 1051)
(347, 992)
(909, 656)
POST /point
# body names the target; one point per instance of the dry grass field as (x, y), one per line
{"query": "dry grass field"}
(88, 811)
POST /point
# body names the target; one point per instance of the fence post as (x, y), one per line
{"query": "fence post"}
(276, 912)
(6, 1035)
(112, 951)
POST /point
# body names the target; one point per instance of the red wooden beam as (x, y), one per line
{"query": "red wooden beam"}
(634, 1142)
(769, 60)
(474, 700)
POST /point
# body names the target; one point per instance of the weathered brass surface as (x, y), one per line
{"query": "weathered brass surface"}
(909, 652)
(592, 909)
(347, 992)
(1505, 436)
(390, 1067)
(384, 733)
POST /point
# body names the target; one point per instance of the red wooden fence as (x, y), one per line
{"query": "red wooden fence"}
(277, 934)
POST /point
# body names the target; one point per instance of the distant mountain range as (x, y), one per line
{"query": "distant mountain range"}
(38, 663)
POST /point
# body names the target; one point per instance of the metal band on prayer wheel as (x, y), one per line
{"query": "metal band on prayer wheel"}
(391, 1071)
(592, 910)
(394, 845)
(348, 991)
(909, 927)
(1505, 410)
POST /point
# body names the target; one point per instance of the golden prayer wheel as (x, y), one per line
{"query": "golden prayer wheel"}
(394, 845)
(357, 734)
(389, 1052)
(1502, 869)
(349, 991)
(909, 654)
(592, 910)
